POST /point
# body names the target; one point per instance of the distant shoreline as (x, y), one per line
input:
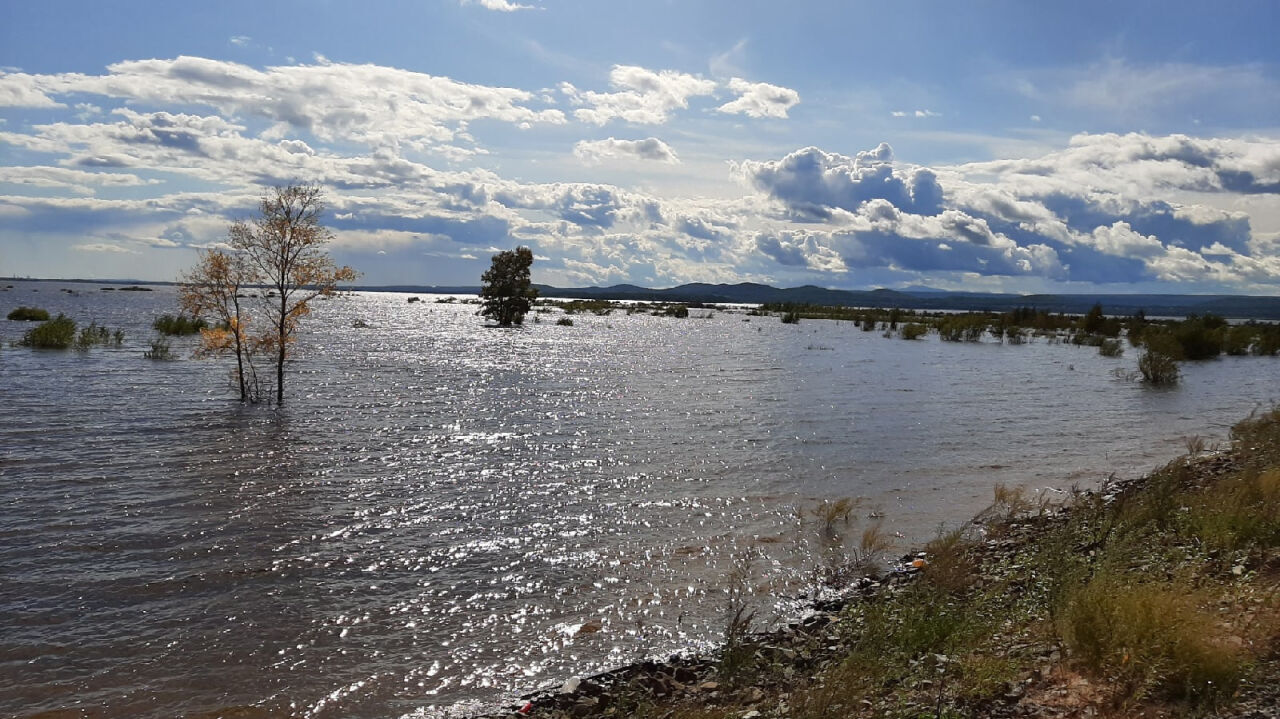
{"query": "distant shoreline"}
(1241, 307)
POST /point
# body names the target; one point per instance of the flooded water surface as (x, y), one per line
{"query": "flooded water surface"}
(444, 516)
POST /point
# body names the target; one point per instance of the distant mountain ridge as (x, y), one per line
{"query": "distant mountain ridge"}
(919, 298)
(916, 297)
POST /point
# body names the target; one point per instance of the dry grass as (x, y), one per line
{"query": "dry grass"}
(951, 566)
(831, 515)
(1146, 637)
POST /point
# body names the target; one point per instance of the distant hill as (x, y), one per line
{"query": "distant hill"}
(920, 298)
(916, 297)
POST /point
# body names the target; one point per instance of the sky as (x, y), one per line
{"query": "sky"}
(994, 146)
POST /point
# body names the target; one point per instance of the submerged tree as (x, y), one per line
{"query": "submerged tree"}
(212, 289)
(283, 249)
(506, 288)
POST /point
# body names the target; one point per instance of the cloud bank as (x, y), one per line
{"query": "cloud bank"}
(154, 157)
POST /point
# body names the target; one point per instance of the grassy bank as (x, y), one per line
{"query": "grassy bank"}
(1155, 598)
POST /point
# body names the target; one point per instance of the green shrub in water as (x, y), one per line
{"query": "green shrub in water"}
(160, 350)
(180, 325)
(58, 334)
(29, 314)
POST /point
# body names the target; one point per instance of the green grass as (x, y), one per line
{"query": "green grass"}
(29, 314)
(595, 307)
(58, 333)
(179, 325)
(96, 335)
(914, 330)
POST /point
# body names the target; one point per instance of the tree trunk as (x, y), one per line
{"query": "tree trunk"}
(238, 333)
(280, 349)
(240, 367)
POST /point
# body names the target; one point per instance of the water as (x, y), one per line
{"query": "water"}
(443, 514)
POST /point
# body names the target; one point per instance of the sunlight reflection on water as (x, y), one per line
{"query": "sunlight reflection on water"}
(447, 514)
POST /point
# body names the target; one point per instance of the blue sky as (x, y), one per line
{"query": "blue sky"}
(1123, 147)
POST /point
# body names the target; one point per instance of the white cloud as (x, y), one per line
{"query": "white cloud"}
(1121, 240)
(642, 96)
(365, 103)
(78, 181)
(915, 113)
(19, 89)
(499, 5)
(103, 247)
(1142, 165)
(239, 40)
(760, 99)
(813, 182)
(650, 148)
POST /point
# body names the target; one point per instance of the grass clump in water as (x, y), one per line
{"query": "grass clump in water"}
(1158, 368)
(160, 350)
(29, 314)
(180, 325)
(914, 330)
(94, 335)
(58, 333)
(1110, 348)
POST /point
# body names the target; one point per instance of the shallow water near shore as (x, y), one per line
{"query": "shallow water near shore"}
(445, 516)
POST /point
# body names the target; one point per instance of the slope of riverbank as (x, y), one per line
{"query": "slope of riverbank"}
(1153, 598)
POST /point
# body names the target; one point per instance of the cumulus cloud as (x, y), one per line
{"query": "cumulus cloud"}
(22, 90)
(641, 96)
(650, 148)
(760, 99)
(1093, 212)
(1121, 240)
(812, 182)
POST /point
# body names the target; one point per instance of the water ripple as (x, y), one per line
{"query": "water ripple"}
(447, 515)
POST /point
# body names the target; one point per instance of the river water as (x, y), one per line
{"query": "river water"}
(444, 516)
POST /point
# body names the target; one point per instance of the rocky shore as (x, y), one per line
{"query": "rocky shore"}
(1140, 599)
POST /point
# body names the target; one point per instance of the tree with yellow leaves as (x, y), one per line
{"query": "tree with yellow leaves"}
(212, 289)
(282, 249)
